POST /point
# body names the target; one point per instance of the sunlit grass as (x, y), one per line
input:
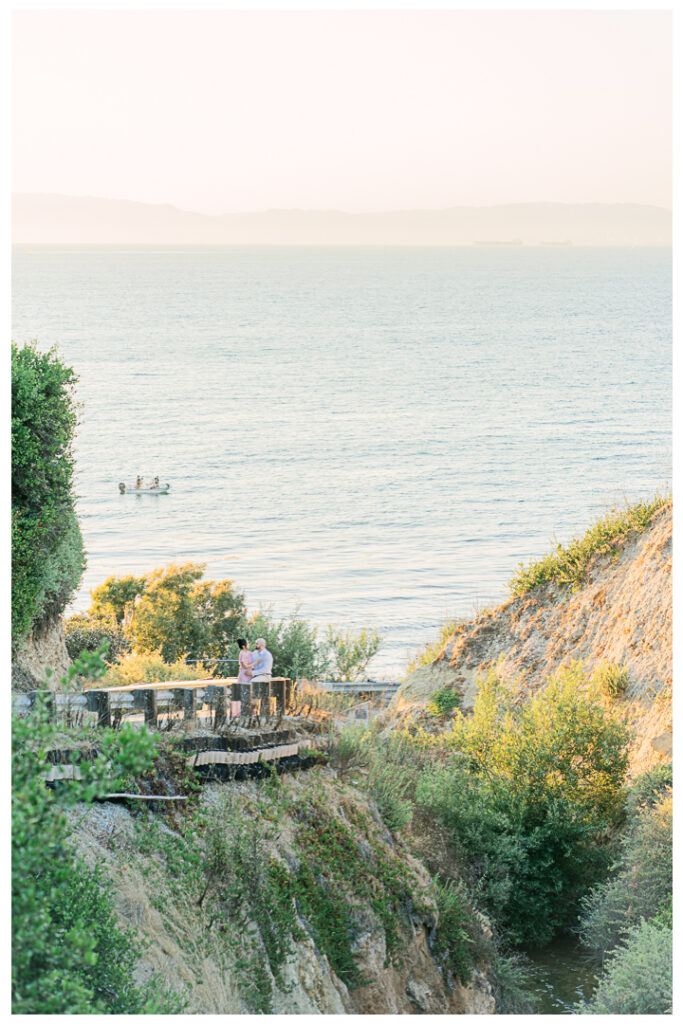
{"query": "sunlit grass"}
(567, 564)
(427, 655)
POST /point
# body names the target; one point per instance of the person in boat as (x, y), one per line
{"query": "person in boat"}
(245, 659)
(262, 665)
(138, 483)
(156, 481)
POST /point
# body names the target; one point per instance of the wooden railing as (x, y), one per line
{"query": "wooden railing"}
(224, 699)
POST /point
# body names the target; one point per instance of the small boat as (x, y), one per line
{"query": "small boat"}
(151, 489)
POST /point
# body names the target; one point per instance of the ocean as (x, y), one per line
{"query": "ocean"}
(373, 436)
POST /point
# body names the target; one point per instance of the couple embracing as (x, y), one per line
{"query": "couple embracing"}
(254, 665)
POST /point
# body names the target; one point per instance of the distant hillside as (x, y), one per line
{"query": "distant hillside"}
(622, 616)
(55, 219)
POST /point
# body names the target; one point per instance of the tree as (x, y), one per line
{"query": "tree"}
(350, 653)
(113, 597)
(47, 548)
(171, 610)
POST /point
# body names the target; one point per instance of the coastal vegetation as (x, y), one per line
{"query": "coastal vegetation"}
(612, 680)
(47, 549)
(526, 794)
(143, 669)
(175, 615)
(567, 564)
(538, 824)
(69, 953)
(626, 921)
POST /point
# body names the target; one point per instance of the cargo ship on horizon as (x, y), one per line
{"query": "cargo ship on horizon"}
(509, 241)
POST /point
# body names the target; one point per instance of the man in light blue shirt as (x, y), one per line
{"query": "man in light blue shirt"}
(262, 665)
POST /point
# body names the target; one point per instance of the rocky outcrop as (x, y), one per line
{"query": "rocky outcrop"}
(43, 648)
(623, 615)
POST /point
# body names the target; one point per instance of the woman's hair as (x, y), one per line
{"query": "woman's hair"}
(241, 642)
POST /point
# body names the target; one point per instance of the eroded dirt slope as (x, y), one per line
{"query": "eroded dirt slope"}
(623, 615)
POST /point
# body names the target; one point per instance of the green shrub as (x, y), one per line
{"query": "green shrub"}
(47, 549)
(526, 798)
(69, 956)
(611, 680)
(649, 788)
(350, 747)
(293, 642)
(638, 978)
(442, 702)
(642, 885)
(142, 669)
(351, 652)
(388, 785)
(85, 907)
(512, 975)
(567, 565)
(85, 634)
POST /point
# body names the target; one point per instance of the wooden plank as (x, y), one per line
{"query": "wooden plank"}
(139, 796)
(172, 684)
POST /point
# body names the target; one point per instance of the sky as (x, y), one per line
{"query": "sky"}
(219, 111)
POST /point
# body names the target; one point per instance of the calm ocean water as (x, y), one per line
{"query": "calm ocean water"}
(376, 435)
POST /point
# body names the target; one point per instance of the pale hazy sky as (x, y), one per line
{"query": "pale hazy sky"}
(227, 111)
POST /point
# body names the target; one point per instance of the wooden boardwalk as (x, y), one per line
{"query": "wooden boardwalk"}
(227, 717)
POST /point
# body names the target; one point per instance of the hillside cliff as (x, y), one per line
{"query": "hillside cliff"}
(228, 940)
(622, 615)
(44, 648)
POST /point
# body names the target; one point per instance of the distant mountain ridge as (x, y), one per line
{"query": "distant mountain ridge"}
(57, 219)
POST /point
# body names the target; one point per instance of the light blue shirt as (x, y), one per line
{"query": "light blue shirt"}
(262, 665)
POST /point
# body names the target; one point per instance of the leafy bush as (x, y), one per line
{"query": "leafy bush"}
(642, 886)
(442, 702)
(350, 653)
(649, 788)
(142, 669)
(85, 634)
(47, 549)
(639, 975)
(293, 642)
(511, 974)
(527, 796)
(611, 680)
(567, 565)
(69, 956)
